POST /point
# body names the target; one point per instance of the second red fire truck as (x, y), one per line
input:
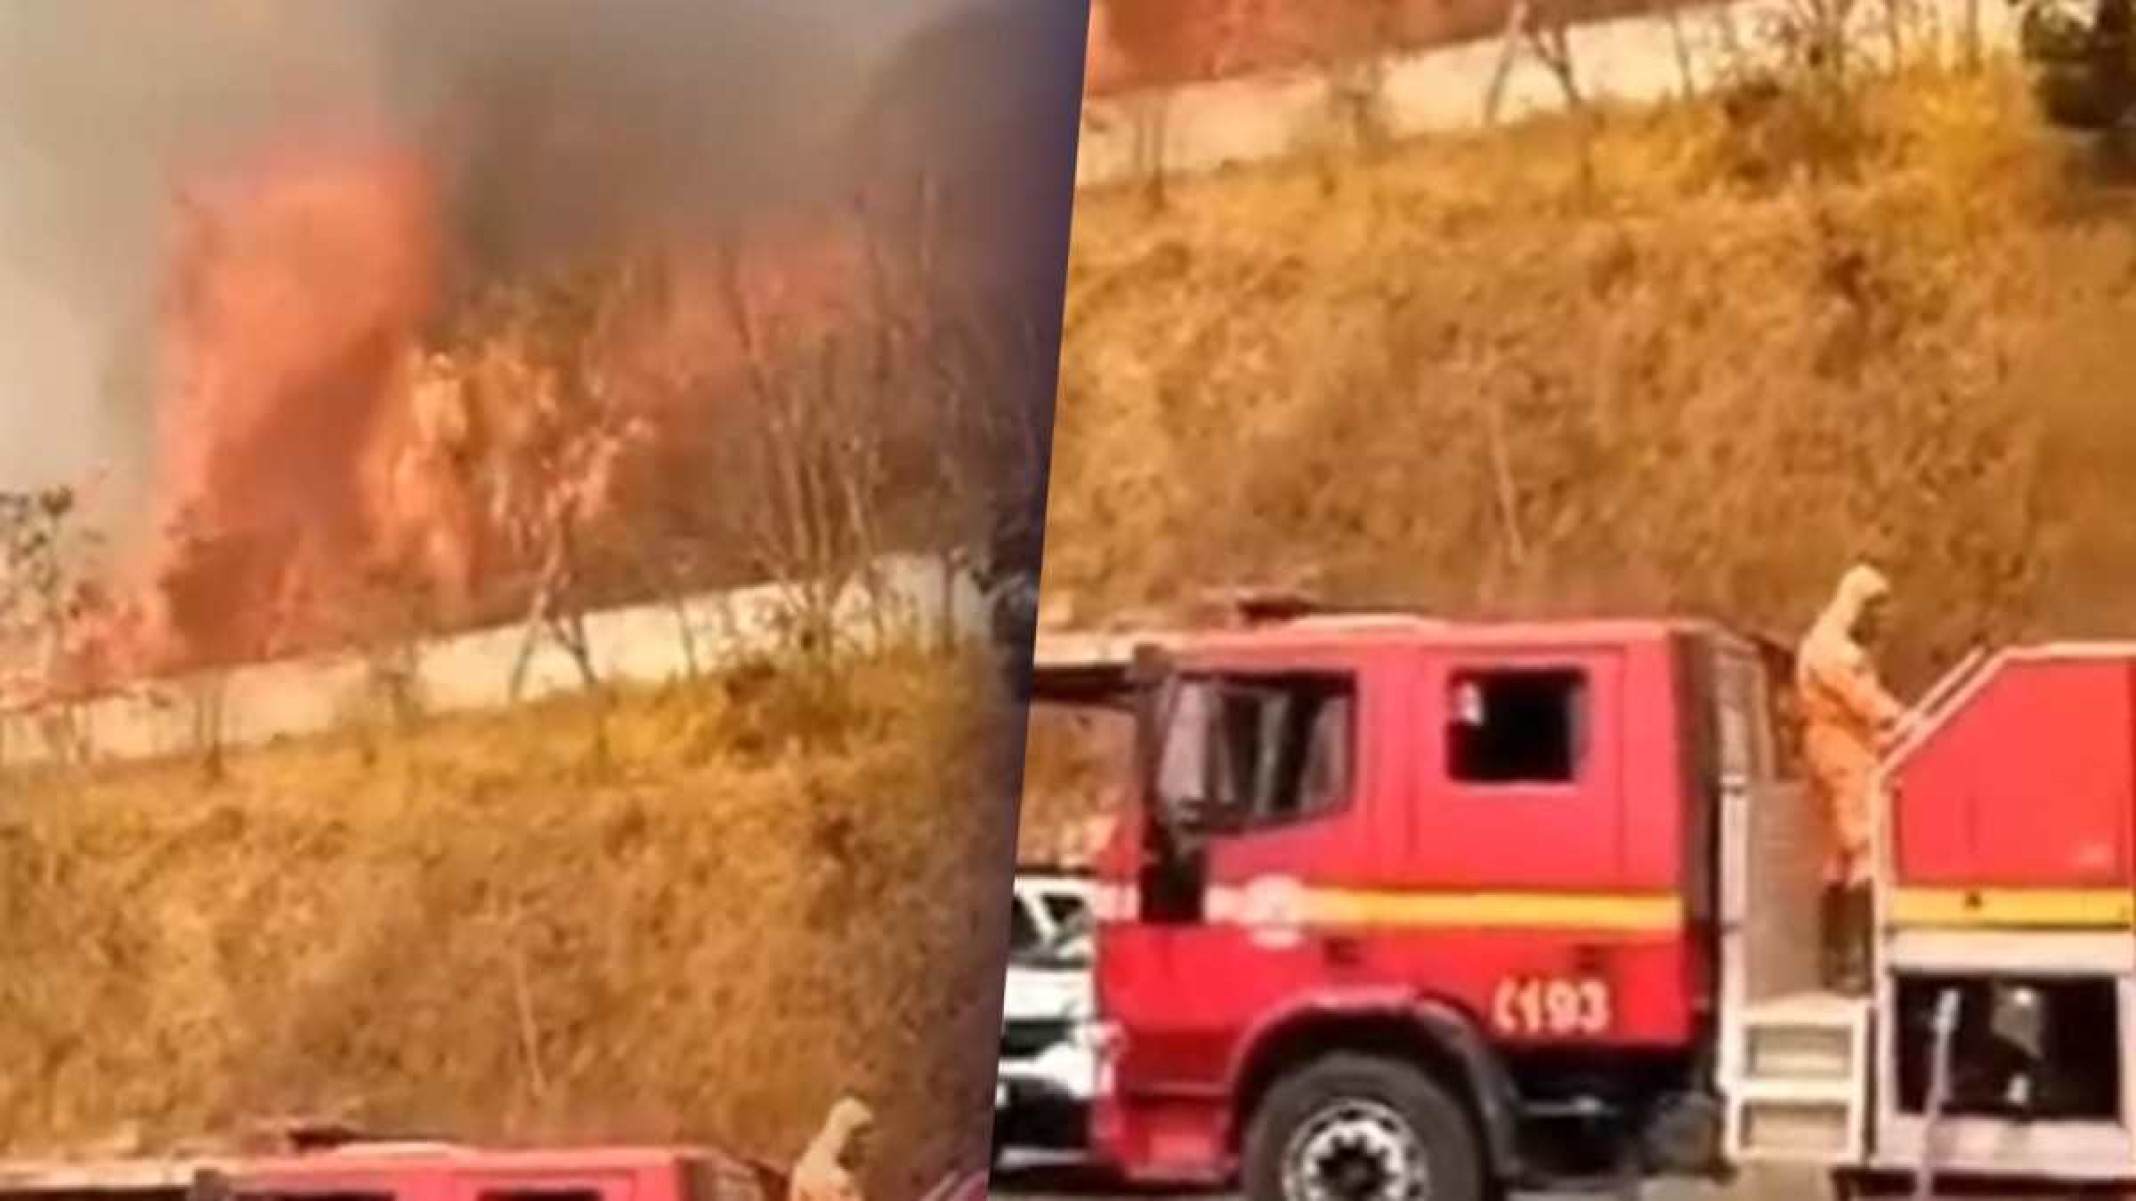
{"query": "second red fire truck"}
(1410, 909)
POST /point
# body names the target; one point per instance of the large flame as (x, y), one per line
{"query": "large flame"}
(300, 286)
(316, 448)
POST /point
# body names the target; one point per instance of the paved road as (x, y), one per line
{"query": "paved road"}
(1035, 1179)
(1032, 1178)
(1062, 1178)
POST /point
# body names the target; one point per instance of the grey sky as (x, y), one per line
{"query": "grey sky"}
(739, 103)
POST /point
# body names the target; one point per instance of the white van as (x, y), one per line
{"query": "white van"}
(1048, 1065)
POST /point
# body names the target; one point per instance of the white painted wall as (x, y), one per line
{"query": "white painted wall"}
(643, 644)
(1204, 127)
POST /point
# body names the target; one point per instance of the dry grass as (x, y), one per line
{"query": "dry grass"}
(767, 892)
(1075, 762)
(1748, 342)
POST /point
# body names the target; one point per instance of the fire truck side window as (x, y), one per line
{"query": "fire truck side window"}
(327, 1195)
(1264, 749)
(1516, 726)
(541, 1194)
(332, 1195)
(1284, 747)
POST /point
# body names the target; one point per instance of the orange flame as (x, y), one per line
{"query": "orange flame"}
(308, 446)
(300, 285)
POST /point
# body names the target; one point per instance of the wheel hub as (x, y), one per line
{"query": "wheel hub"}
(1355, 1150)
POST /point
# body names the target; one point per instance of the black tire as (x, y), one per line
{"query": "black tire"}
(1302, 1107)
(998, 1144)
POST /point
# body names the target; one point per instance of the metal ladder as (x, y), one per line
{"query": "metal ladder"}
(1801, 1096)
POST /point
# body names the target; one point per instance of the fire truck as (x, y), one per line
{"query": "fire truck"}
(327, 1162)
(319, 1166)
(1406, 908)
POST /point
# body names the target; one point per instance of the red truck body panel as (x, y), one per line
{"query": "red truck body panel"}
(2030, 783)
(608, 1174)
(420, 1172)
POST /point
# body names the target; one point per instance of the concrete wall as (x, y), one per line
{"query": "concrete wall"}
(645, 644)
(1196, 128)
(1138, 44)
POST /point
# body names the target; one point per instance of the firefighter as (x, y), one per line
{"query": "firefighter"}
(1847, 716)
(825, 1171)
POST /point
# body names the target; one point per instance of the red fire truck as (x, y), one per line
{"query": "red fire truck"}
(328, 1164)
(1404, 908)
(359, 1170)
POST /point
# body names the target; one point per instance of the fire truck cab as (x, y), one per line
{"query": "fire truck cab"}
(1413, 908)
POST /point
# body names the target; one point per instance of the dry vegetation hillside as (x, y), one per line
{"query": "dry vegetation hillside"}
(749, 895)
(507, 327)
(1691, 360)
(1696, 368)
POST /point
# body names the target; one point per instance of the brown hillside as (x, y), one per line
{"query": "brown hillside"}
(1157, 43)
(1755, 340)
(769, 895)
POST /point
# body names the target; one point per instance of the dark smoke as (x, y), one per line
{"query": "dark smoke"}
(572, 123)
(560, 124)
(983, 106)
(980, 112)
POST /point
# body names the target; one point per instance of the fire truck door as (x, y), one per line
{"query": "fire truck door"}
(1521, 782)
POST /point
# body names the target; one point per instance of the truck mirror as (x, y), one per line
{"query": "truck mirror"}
(1148, 670)
(1148, 665)
(1152, 704)
(208, 1185)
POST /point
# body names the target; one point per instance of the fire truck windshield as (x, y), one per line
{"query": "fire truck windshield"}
(1252, 750)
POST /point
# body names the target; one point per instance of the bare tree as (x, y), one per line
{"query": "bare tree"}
(34, 578)
(391, 622)
(809, 452)
(977, 378)
(1157, 45)
(44, 589)
(207, 695)
(1686, 79)
(1349, 50)
(555, 435)
(1149, 116)
(1815, 37)
(1511, 39)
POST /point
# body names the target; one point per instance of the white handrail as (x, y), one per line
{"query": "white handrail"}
(1952, 678)
(1943, 698)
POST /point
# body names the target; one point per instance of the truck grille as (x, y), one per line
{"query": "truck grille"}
(1026, 1037)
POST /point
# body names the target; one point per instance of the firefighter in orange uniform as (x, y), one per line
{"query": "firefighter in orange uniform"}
(1847, 718)
(827, 1169)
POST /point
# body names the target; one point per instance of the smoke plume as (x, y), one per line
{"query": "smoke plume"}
(231, 232)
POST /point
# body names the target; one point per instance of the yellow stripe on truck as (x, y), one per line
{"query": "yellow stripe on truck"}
(2032, 908)
(1624, 912)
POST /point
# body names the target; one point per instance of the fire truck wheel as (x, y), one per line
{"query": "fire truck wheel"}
(1358, 1128)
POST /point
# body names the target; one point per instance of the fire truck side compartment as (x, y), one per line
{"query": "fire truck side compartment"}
(2031, 784)
(2008, 884)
